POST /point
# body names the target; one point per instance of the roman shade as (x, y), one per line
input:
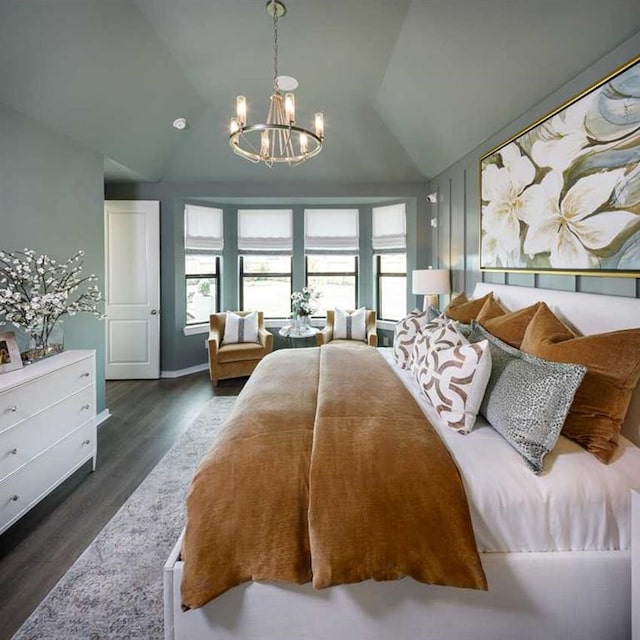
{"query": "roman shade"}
(389, 227)
(331, 230)
(203, 228)
(265, 229)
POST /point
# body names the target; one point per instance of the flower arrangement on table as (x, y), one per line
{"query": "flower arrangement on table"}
(36, 291)
(304, 303)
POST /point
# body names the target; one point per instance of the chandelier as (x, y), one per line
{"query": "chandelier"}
(280, 139)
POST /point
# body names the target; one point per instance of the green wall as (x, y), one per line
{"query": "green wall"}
(456, 243)
(51, 201)
(180, 352)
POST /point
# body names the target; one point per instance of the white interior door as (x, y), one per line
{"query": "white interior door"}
(132, 250)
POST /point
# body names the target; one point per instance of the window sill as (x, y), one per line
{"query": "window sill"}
(195, 329)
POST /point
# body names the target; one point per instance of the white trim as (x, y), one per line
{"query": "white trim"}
(102, 417)
(386, 325)
(195, 329)
(184, 372)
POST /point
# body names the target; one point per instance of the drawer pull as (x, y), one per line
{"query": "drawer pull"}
(87, 442)
(13, 452)
(13, 409)
(14, 498)
(85, 407)
(86, 374)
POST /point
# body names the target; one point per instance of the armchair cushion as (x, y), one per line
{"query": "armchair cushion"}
(240, 328)
(241, 351)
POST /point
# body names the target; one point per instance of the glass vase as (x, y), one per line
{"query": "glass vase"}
(44, 345)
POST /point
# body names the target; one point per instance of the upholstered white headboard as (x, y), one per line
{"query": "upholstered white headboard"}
(585, 313)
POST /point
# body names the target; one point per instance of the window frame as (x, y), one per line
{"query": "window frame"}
(379, 274)
(356, 258)
(199, 276)
(242, 274)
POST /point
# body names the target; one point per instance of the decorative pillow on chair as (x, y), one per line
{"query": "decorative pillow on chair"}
(406, 331)
(464, 310)
(612, 361)
(527, 399)
(454, 380)
(350, 326)
(240, 328)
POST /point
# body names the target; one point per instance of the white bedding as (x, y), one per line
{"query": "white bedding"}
(576, 504)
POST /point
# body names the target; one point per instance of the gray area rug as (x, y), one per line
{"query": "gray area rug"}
(114, 589)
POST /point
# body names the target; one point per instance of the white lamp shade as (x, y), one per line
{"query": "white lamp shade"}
(428, 281)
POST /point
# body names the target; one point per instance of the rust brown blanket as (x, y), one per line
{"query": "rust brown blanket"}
(327, 470)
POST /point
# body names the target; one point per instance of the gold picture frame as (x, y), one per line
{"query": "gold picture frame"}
(10, 359)
(563, 195)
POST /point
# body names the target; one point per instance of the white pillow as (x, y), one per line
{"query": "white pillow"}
(454, 380)
(350, 326)
(441, 331)
(240, 328)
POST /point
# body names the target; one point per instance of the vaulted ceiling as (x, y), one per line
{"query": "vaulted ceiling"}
(406, 86)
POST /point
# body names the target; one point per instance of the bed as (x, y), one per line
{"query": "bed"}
(556, 568)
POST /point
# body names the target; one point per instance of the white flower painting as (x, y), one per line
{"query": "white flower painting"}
(565, 194)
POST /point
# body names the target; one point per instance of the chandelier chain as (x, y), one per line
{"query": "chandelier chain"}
(275, 45)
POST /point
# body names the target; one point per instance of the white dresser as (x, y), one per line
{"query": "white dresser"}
(47, 428)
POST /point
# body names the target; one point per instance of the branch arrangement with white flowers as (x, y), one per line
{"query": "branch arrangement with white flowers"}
(304, 303)
(36, 291)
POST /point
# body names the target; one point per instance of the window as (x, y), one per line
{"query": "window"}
(203, 244)
(265, 284)
(336, 278)
(391, 276)
(389, 242)
(331, 240)
(265, 243)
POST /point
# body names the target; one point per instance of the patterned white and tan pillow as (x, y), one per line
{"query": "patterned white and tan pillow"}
(240, 328)
(442, 332)
(406, 331)
(454, 379)
(350, 326)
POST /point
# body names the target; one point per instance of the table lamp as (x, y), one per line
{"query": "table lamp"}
(430, 283)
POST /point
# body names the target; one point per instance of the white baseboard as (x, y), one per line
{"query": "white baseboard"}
(102, 417)
(184, 372)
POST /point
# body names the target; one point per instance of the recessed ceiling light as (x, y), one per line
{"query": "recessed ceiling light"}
(180, 124)
(287, 83)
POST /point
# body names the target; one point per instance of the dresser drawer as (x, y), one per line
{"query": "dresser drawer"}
(21, 490)
(24, 441)
(33, 396)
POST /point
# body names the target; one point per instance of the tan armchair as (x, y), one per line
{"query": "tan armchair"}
(235, 360)
(326, 335)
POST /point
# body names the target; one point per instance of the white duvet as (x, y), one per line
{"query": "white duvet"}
(576, 504)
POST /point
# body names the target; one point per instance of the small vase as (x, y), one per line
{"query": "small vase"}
(40, 346)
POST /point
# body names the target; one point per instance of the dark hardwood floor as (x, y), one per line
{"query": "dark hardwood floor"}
(147, 416)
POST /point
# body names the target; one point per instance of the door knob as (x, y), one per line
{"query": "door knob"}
(154, 312)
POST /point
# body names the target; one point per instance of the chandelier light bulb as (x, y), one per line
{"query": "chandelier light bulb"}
(290, 107)
(319, 125)
(234, 126)
(241, 110)
(303, 143)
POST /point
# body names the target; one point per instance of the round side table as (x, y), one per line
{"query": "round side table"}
(298, 337)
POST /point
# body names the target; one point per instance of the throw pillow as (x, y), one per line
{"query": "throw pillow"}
(350, 326)
(612, 361)
(405, 333)
(490, 309)
(527, 398)
(239, 329)
(442, 332)
(464, 310)
(454, 380)
(510, 327)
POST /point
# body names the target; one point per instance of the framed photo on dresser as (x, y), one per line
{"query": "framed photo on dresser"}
(9, 353)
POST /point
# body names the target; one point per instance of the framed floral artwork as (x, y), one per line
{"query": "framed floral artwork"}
(564, 194)
(9, 353)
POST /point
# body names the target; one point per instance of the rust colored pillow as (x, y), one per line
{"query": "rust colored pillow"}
(490, 309)
(464, 310)
(613, 369)
(510, 327)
